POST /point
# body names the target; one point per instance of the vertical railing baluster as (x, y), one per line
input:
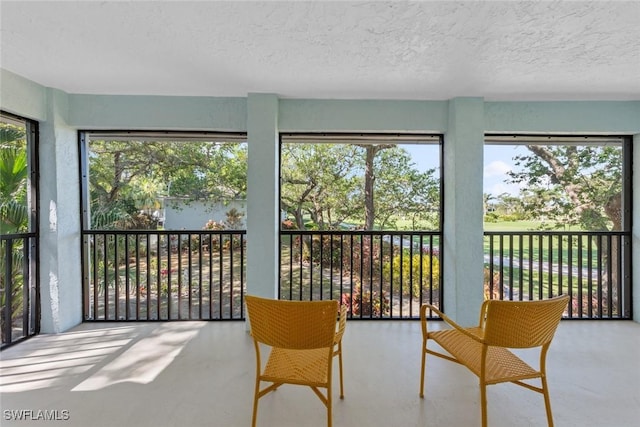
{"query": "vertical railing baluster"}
(310, 269)
(531, 254)
(331, 266)
(371, 276)
(180, 275)
(540, 264)
(220, 277)
(159, 273)
(391, 273)
(8, 298)
(401, 279)
(116, 274)
(501, 267)
(610, 268)
(169, 275)
(105, 272)
(381, 275)
(137, 258)
(321, 264)
(127, 283)
(231, 269)
(620, 283)
(599, 279)
(291, 254)
(410, 274)
(148, 275)
(351, 276)
(341, 266)
(210, 240)
(520, 266)
(241, 276)
(26, 294)
(421, 272)
(589, 278)
(431, 272)
(491, 265)
(580, 284)
(361, 272)
(561, 267)
(95, 282)
(200, 276)
(570, 276)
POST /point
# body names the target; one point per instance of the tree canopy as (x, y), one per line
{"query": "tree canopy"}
(571, 184)
(330, 184)
(14, 215)
(129, 176)
(369, 185)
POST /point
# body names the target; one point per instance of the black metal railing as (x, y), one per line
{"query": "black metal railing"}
(593, 268)
(164, 275)
(18, 296)
(378, 274)
(200, 274)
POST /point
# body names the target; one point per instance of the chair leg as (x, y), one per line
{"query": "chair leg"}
(329, 401)
(255, 404)
(483, 403)
(424, 355)
(340, 367)
(547, 401)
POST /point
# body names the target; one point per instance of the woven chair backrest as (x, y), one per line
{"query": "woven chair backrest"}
(523, 324)
(292, 324)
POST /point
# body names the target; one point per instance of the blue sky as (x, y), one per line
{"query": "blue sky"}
(498, 160)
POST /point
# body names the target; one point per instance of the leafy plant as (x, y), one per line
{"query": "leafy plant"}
(365, 303)
(411, 274)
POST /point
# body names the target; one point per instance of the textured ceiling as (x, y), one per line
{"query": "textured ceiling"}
(328, 49)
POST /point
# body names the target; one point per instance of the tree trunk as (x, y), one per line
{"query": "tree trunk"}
(369, 182)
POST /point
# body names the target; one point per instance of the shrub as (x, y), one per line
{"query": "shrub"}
(409, 273)
(234, 219)
(326, 245)
(373, 305)
(287, 224)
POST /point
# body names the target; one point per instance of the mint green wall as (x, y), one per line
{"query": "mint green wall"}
(263, 211)
(21, 96)
(348, 116)
(462, 120)
(463, 261)
(621, 117)
(157, 112)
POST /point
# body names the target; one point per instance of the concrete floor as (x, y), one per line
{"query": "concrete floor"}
(191, 374)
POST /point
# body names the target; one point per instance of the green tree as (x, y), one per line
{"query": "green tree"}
(322, 181)
(13, 179)
(127, 177)
(570, 184)
(373, 183)
(14, 216)
(575, 185)
(401, 190)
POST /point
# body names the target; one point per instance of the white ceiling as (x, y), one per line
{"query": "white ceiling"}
(328, 49)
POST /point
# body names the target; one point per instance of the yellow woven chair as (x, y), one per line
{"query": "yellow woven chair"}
(303, 341)
(484, 349)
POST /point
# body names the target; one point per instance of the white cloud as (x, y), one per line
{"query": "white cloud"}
(496, 168)
(501, 188)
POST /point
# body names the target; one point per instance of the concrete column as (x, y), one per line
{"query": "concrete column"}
(463, 228)
(60, 260)
(635, 231)
(263, 213)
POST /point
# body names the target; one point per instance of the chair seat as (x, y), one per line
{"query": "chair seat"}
(307, 367)
(502, 365)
